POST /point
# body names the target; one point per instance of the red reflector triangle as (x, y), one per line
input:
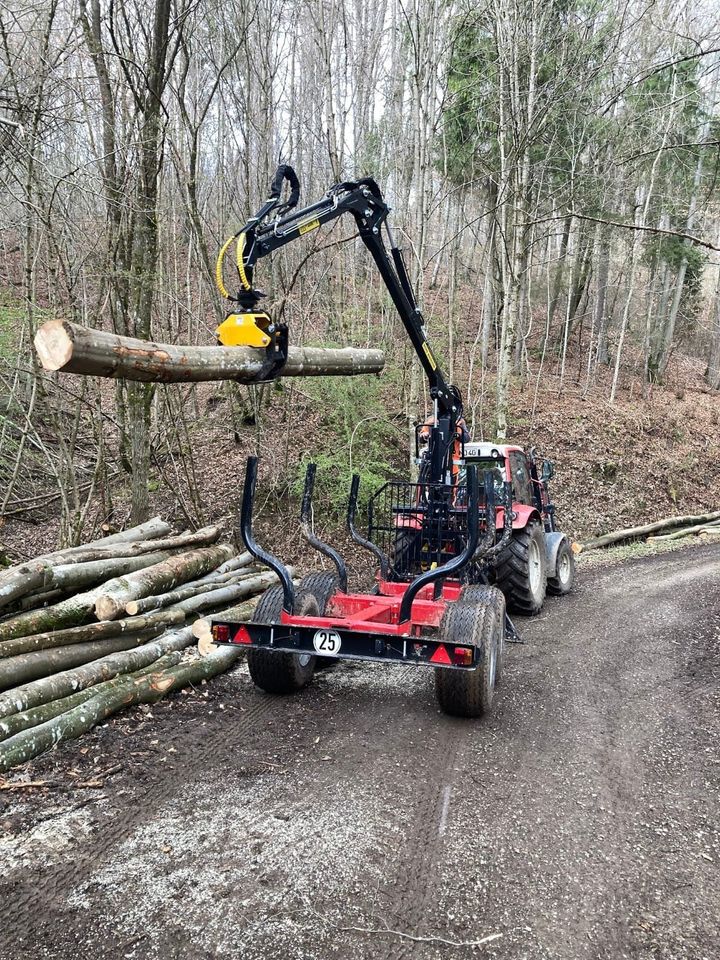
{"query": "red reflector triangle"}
(441, 655)
(242, 636)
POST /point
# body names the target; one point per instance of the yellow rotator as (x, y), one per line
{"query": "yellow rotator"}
(244, 330)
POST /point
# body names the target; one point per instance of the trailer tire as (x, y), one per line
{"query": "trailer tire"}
(322, 586)
(281, 672)
(402, 554)
(562, 582)
(521, 570)
(470, 693)
(485, 594)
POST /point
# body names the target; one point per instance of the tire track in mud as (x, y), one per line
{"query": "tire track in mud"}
(57, 879)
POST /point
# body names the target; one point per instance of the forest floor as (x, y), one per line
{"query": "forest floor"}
(580, 820)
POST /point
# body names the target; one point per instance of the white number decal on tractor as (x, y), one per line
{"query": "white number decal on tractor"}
(327, 642)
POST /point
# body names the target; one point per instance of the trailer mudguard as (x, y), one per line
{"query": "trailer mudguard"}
(552, 545)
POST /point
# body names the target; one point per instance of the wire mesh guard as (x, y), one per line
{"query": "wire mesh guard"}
(418, 524)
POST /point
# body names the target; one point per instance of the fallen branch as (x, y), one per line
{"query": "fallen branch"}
(69, 348)
(634, 533)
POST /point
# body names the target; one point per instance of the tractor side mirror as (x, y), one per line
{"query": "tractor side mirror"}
(548, 470)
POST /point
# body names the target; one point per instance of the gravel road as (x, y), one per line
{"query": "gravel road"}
(582, 820)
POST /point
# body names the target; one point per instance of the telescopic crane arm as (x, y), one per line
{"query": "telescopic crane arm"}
(260, 236)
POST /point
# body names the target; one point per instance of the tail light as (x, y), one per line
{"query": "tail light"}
(463, 656)
(221, 633)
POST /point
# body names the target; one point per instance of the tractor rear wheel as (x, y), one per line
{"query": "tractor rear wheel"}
(520, 570)
(564, 578)
(281, 672)
(470, 693)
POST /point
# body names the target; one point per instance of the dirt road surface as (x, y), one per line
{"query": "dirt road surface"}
(582, 820)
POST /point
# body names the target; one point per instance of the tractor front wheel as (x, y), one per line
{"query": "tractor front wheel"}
(564, 578)
(521, 570)
(470, 693)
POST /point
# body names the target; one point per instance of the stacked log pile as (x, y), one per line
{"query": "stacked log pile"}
(89, 630)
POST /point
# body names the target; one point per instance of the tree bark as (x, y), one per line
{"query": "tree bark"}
(211, 582)
(632, 533)
(91, 631)
(111, 600)
(41, 663)
(140, 689)
(63, 684)
(72, 576)
(46, 711)
(216, 598)
(69, 348)
(688, 531)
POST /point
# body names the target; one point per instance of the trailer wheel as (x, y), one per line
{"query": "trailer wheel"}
(281, 672)
(564, 578)
(322, 586)
(469, 693)
(482, 593)
(520, 570)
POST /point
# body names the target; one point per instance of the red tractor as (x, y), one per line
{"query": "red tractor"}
(475, 531)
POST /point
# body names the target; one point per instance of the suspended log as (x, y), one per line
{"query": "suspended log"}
(634, 533)
(9, 726)
(41, 663)
(90, 631)
(111, 600)
(68, 348)
(60, 685)
(210, 582)
(147, 689)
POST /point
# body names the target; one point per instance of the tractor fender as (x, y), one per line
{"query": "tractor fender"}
(524, 514)
(552, 545)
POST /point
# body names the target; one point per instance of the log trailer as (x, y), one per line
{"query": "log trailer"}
(473, 536)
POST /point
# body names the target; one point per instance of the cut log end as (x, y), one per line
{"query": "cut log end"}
(54, 344)
(205, 644)
(132, 608)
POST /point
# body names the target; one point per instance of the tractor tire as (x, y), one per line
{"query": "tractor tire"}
(281, 672)
(470, 693)
(520, 570)
(322, 586)
(402, 558)
(564, 578)
(482, 593)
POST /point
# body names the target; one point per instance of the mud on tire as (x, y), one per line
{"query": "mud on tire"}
(562, 582)
(281, 672)
(520, 570)
(470, 693)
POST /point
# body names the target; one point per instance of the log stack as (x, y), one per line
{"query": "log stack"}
(89, 630)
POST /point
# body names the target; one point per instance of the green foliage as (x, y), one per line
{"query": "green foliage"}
(356, 434)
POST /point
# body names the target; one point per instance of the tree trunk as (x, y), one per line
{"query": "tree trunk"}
(216, 598)
(204, 585)
(41, 663)
(91, 631)
(111, 600)
(46, 711)
(75, 575)
(633, 533)
(63, 684)
(68, 348)
(140, 689)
